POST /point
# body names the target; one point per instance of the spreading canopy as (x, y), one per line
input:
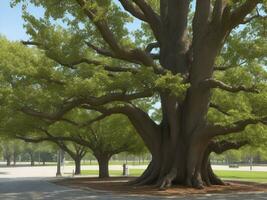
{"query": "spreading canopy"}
(195, 58)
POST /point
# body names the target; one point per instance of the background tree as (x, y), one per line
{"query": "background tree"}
(30, 150)
(46, 153)
(74, 150)
(7, 152)
(104, 138)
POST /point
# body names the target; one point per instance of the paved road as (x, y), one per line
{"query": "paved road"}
(40, 189)
(50, 171)
(32, 183)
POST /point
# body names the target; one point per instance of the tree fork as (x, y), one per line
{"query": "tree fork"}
(148, 171)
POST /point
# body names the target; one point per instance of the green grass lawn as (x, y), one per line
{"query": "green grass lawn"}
(113, 162)
(243, 175)
(224, 174)
(133, 172)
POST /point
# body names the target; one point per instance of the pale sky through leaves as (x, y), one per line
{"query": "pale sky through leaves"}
(11, 22)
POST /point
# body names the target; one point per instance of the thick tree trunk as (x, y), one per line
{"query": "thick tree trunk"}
(179, 148)
(77, 166)
(208, 176)
(58, 173)
(8, 160)
(14, 159)
(32, 159)
(177, 158)
(103, 161)
(188, 165)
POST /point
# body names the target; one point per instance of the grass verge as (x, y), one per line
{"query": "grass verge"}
(260, 177)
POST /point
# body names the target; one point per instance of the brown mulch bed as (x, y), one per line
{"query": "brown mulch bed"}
(119, 185)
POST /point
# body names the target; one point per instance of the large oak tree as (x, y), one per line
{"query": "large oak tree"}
(179, 58)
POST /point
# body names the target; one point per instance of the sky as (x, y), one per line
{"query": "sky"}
(11, 22)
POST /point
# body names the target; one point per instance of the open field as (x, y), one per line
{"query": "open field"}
(243, 175)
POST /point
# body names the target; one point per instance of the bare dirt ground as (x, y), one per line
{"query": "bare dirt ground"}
(119, 185)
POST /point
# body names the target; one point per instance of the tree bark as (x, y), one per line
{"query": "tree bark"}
(32, 159)
(187, 165)
(58, 173)
(77, 166)
(8, 161)
(103, 161)
(14, 158)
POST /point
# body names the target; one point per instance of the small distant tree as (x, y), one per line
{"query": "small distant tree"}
(46, 152)
(7, 152)
(30, 150)
(17, 147)
(46, 156)
(104, 138)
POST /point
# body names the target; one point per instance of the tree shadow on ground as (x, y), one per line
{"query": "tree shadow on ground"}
(21, 189)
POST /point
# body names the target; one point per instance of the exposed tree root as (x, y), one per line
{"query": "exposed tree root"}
(198, 184)
(168, 179)
(145, 175)
(149, 180)
(160, 175)
(214, 180)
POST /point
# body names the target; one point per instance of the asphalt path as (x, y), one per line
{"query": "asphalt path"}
(43, 189)
(35, 183)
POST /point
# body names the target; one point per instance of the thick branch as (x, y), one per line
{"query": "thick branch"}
(218, 10)
(100, 117)
(31, 43)
(56, 140)
(222, 146)
(212, 83)
(133, 9)
(98, 101)
(152, 46)
(235, 127)
(101, 25)
(144, 125)
(218, 68)
(218, 108)
(66, 107)
(201, 17)
(224, 68)
(92, 101)
(32, 140)
(106, 67)
(81, 61)
(100, 51)
(152, 17)
(65, 148)
(257, 16)
(238, 15)
(134, 55)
